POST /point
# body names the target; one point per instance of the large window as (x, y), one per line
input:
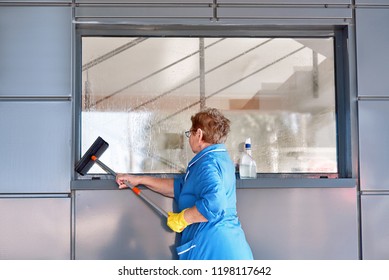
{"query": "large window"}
(138, 93)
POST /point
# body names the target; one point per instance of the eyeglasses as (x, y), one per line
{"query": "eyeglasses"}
(188, 133)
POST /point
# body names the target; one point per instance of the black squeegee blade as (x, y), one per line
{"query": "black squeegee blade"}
(86, 162)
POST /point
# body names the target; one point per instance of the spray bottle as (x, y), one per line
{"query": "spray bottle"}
(247, 165)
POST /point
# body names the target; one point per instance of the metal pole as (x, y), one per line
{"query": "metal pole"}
(202, 73)
(134, 189)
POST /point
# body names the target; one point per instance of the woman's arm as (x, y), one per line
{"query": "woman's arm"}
(192, 215)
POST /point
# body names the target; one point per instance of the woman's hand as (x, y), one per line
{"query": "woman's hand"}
(163, 186)
(122, 178)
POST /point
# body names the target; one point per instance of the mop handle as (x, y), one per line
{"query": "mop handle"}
(136, 190)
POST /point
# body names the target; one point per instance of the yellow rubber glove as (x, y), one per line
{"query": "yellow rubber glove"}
(176, 221)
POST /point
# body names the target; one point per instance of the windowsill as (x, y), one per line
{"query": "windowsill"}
(263, 183)
(106, 183)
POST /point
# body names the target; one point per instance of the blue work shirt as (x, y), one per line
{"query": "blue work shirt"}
(210, 184)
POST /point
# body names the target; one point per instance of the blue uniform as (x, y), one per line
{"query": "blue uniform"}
(210, 184)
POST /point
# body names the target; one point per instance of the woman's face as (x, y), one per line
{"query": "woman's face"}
(196, 141)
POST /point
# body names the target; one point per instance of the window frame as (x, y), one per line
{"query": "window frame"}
(342, 91)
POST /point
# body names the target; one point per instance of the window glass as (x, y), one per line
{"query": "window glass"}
(138, 94)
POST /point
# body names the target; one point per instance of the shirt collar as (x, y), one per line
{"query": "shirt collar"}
(209, 149)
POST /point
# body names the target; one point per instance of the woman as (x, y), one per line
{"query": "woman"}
(205, 195)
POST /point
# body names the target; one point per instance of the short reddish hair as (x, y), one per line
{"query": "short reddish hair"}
(213, 123)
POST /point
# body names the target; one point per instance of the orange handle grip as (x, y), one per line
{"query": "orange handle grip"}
(136, 190)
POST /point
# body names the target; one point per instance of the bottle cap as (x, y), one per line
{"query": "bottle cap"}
(247, 144)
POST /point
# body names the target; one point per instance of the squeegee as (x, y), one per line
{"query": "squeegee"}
(91, 157)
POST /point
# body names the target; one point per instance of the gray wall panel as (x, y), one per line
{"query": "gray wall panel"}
(372, 51)
(35, 147)
(35, 51)
(116, 224)
(372, 2)
(279, 224)
(144, 12)
(144, 1)
(287, 2)
(36, 1)
(314, 223)
(283, 13)
(373, 143)
(34, 228)
(375, 227)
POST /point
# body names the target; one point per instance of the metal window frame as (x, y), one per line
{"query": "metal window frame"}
(342, 91)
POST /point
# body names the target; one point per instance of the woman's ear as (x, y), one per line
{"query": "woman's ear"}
(200, 133)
